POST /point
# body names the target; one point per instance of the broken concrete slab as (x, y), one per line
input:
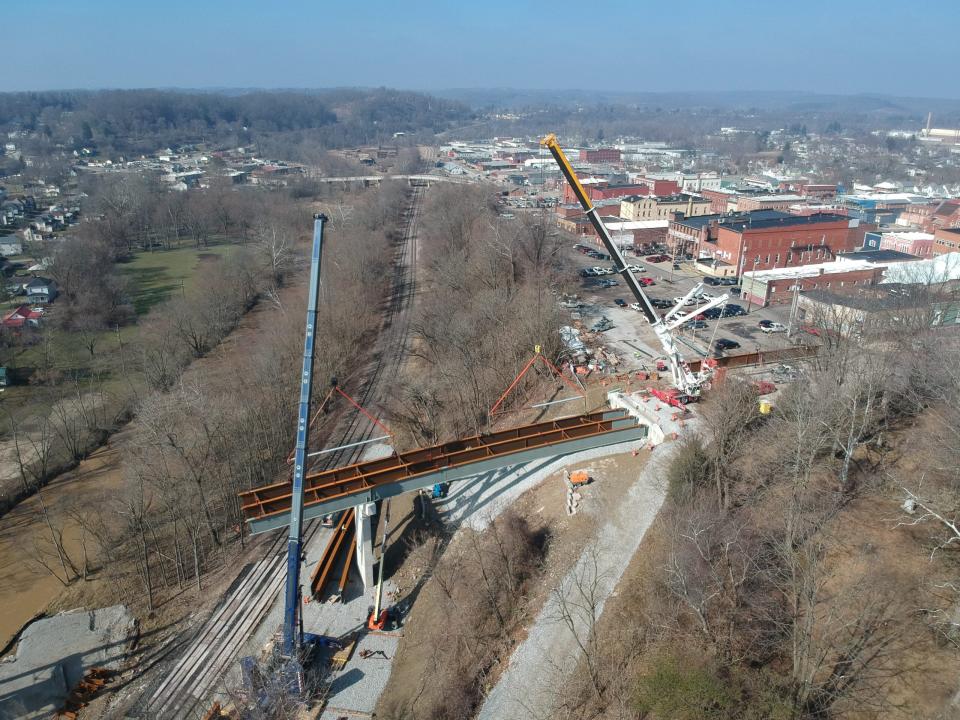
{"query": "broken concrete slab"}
(54, 654)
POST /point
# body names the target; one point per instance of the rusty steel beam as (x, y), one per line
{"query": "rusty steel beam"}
(344, 487)
(799, 352)
(321, 573)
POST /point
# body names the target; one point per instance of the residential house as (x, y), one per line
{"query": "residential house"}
(22, 316)
(41, 290)
(10, 245)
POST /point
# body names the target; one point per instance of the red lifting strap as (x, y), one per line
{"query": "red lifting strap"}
(553, 368)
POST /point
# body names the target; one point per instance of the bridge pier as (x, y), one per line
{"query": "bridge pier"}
(362, 515)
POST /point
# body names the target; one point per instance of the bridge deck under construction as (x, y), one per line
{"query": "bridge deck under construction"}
(268, 507)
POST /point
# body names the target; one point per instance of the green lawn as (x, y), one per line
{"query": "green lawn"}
(156, 276)
(153, 277)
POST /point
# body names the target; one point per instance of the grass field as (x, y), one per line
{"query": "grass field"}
(153, 277)
(156, 276)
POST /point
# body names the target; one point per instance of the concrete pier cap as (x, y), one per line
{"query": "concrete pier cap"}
(664, 421)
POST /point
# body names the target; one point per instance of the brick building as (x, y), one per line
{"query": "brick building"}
(946, 215)
(765, 239)
(600, 155)
(643, 233)
(930, 216)
(602, 190)
(945, 240)
(777, 287)
(721, 201)
(662, 208)
(919, 244)
(659, 187)
(768, 202)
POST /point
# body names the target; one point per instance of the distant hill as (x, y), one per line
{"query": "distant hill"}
(507, 98)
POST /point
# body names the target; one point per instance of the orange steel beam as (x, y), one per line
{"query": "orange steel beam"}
(321, 574)
(355, 484)
(347, 561)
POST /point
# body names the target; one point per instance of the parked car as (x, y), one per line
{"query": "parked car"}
(635, 306)
(713, 313)
(731, 310)
(764, 323)
(620, 303)
(636, 269)
(661, 304)
(645, 281)
(685, 301)
(711, 281)
(724, 344)
(728, 281)
(735, 290)
(773, 327)
(696, 324)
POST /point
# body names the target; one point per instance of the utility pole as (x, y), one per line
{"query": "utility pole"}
(793, 307)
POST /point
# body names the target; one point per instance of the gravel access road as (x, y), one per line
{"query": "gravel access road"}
(540, 663)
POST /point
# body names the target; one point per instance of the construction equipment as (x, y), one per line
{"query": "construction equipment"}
(689, 383)
(378, 617)
(292, 627)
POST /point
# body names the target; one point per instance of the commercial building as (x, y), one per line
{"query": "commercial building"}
(662, 208)
(773, 287)
(945, 240)
(919, 244)
(726, 245)
(768, 202)
(600, 155)
(602, 190)
(690, 182)
(867, 310)
(641, 234)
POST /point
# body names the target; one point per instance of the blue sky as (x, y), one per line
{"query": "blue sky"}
(844, 46)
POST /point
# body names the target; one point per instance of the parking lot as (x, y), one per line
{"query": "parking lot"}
(630, 337)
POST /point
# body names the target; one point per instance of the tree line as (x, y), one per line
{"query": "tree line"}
(486, 301)
(140, 121)
(204, 434)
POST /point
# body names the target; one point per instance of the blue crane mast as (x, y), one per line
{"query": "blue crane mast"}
(292, 627)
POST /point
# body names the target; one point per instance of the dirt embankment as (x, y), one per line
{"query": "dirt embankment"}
(421, 681)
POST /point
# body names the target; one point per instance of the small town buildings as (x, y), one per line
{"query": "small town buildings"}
(600, 155)
(919, 244)
(728, 245)
(777, 287)
(945, 240)
(662, 208)
(866, 310)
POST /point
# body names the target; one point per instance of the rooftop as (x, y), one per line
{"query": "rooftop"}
(701, 221)
(885, 297)
(805, 271)
(754, 223)
(876, 256)
(783, 197)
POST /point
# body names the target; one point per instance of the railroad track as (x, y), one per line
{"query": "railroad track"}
(189, 686)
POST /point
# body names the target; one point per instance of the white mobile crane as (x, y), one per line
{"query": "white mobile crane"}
(689, 384)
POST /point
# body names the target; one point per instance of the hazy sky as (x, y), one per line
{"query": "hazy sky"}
(896, 47)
